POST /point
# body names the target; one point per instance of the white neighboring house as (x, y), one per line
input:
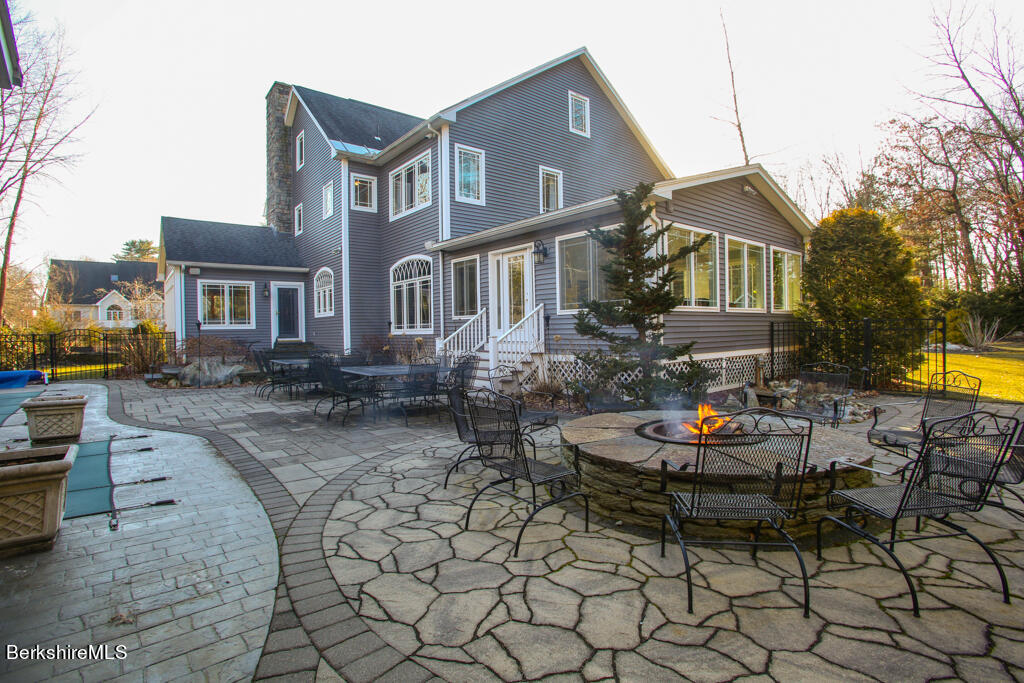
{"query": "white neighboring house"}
(93, 293)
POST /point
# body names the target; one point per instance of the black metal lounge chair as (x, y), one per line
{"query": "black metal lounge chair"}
(753, 474)
(503, 448)
(949, 394)
(505, 380)
(821, 379)
(954, 471)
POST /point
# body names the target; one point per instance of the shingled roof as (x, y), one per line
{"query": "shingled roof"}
(86, 282)
(186, 240)
(355, 122)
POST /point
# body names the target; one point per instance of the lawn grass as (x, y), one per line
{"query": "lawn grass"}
(1001, 370)
(72, 372)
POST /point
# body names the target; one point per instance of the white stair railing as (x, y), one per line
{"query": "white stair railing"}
(468, 338)
(522, 339)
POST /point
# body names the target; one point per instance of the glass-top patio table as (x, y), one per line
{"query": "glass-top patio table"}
(377, 370)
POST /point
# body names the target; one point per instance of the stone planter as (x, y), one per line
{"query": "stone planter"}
(54, 417)
(33, 490)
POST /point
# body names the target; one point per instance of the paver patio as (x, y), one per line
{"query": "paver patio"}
(378, 580)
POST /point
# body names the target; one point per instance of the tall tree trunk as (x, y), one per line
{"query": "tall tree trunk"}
(9, 237)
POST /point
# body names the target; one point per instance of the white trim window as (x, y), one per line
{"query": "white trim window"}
(579, 114)
(300, 150)
(115, 312)
(323, 293)
(578, 274)
(744, 275)
(787, 270)
(465, 287)
(328, 200)
(226, 304)
(696, 274)
(469, 175)
(411, 296)
(299, 225)
(364, 192)
(550, 189)
(410, 186)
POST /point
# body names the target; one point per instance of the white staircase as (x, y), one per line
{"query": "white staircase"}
(516, 347)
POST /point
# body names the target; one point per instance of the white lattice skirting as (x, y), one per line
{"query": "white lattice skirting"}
(731, 369)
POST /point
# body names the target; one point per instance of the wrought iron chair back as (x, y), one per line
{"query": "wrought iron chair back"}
(460, 415)
(950, 393)
(765, 459)
(495, 422)
(821, 378)
(958, 464)
(461, 374)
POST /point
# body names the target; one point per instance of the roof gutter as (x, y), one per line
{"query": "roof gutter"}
(396, 147)
(525, 225)
(237, 266)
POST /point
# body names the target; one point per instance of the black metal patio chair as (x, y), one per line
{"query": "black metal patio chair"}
(754, 472)
(822, 393)
(341, 388)
(503, 447)
(506, 380)
(949, 394)
(955, 469)
(273, 377)
(1010, 474)
(417, 390)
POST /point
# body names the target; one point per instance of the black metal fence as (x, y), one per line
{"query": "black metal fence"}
(888, 355)
(86, 354)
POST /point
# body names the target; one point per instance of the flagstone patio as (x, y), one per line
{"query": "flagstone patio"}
(379, 581)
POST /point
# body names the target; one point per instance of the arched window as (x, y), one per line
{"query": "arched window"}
(411, 301)
(115, 312)
(323, 293)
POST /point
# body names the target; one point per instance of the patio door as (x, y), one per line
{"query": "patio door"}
(287, 321)
(511, 289)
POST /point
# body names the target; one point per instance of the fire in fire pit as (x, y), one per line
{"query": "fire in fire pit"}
(681, 432)
(707, 420)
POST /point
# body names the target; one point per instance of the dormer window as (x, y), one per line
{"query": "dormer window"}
(300, 149)
(579, 114)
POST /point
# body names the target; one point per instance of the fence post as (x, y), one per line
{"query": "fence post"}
(866, 355)
(771, 350)
(53, 355)
(34, 351)
(105, 359)
(942, 327)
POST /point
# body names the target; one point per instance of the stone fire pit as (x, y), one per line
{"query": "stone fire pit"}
(621, 471)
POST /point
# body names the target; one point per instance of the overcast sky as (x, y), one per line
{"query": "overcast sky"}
(178, 88)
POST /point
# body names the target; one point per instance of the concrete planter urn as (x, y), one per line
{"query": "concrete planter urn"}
(54, 417)
(33, 491)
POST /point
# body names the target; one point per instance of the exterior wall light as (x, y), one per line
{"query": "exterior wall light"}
(540, 252)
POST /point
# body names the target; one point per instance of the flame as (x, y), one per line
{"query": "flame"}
(707, 420)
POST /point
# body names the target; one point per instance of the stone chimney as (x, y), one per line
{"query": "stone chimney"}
(279, 160)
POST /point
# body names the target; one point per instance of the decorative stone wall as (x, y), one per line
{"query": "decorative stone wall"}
(621, 473)
(279, 160)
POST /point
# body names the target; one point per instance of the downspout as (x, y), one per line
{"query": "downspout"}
(442, 185)
(346, 261)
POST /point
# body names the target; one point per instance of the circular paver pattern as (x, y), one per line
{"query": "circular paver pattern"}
(621, 471)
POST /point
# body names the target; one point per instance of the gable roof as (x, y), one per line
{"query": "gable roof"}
(335, 116)
(451, 113)
(76, 282)
(192, 242)
(754, 173)
(347, 121)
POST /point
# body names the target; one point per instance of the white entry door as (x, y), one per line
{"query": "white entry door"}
(511, 289)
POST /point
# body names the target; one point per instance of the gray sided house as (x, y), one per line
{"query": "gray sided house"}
(241, 282)
(466, 229)
(114, 295)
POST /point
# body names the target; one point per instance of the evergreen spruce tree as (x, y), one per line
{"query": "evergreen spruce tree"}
(639, 285)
